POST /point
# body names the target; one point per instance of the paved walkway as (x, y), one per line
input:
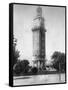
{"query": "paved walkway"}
(39, 79)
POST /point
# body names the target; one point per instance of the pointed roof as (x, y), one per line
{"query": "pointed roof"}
(39, 12)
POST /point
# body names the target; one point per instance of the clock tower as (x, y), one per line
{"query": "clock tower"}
(39, 40)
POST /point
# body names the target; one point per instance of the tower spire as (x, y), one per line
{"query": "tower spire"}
(39, 12)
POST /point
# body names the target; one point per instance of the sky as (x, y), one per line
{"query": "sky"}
(54, 24)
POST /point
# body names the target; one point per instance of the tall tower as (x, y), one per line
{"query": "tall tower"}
(39, 39)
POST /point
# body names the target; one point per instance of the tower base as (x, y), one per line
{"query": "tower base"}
(39, 64)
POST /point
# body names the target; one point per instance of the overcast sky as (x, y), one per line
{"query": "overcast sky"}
(54, 24)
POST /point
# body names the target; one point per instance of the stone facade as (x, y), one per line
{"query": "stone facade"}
(39, 40)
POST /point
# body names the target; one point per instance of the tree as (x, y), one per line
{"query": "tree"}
(21, 67)
(34, 70)
(24, 66)
(15, 52)
(17, 68)
(59, 61)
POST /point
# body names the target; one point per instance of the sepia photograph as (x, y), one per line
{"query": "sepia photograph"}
(38, 44)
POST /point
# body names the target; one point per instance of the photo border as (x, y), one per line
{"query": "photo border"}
(11, 43)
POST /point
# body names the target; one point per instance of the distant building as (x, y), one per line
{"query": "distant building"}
(38, 30)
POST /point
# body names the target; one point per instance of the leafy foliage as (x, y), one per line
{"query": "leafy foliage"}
(59, 61)
(24, 66)
(15, 52)
(17, 68)
(34, 70)
(21, 67)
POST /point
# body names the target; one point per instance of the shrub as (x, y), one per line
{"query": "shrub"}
(34, 70)
(17, 68)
